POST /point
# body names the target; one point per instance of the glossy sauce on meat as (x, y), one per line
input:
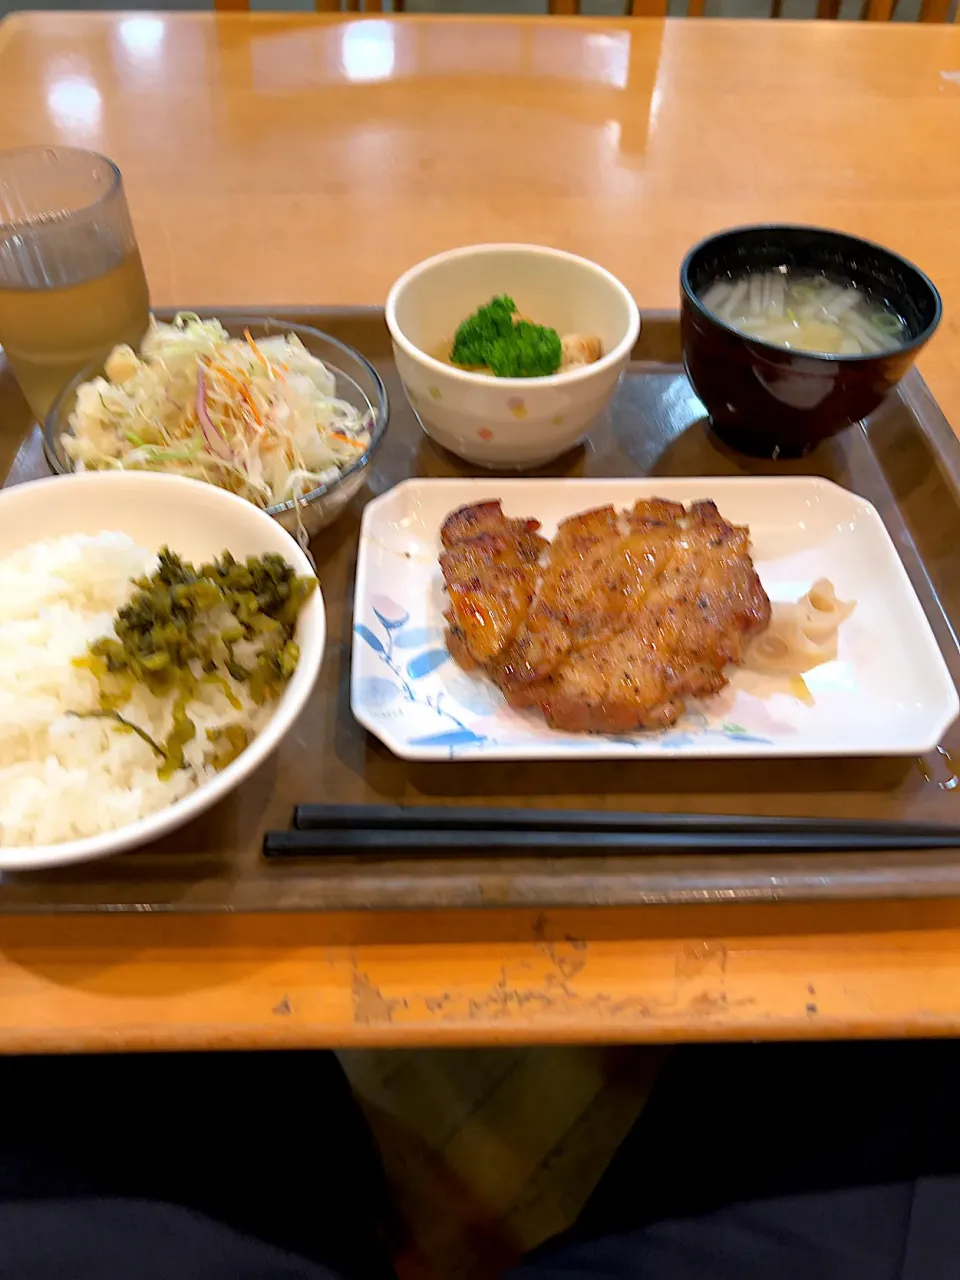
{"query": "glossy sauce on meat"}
(610, 627)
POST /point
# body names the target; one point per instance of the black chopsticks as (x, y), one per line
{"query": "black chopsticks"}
(405, 831)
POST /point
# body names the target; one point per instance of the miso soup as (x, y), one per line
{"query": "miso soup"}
(806, 312)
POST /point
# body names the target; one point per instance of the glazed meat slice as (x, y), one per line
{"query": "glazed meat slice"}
(690, 624)
(490, 569)
(655, 511)
(625, 618)
(480, 518)
(565, 598)
(594, 584)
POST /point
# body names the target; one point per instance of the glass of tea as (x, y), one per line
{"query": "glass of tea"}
(71, 281)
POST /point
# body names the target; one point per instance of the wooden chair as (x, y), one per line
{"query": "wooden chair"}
(871, 10)
(321, 6)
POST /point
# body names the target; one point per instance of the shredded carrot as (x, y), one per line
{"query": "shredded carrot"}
(230, 377)
(271, 371)
(248, 398)
(338, 435)
(257, 352)
(243, 391)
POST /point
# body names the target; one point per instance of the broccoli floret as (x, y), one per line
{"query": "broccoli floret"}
(530, 351)
(508, 348)
(474, 337)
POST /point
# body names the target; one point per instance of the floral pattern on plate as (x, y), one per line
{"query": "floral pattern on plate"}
(889, 692)
(404, 670)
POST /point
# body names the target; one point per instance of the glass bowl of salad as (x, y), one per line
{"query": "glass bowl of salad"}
(281, 414)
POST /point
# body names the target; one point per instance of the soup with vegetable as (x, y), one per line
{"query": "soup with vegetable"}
(806, 312)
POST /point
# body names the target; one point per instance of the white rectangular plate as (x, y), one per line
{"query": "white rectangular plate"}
(888, 692)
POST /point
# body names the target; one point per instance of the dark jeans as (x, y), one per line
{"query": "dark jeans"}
(781, 1162)
(786, 1162)
(211, 1166)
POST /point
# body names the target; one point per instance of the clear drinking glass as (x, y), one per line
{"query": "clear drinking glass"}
(71, 281)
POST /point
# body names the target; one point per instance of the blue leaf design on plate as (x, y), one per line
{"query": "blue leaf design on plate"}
(452, 738)
(416, 637)
(366, 634)
(477, 696)
(391, 614)
(375, 691)
(424, 663)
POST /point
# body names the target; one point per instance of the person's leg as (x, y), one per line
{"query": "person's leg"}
(268, 1145)
(120, 1239)
(780, 1162)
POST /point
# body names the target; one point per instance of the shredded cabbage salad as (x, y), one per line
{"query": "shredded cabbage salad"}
(260, 418)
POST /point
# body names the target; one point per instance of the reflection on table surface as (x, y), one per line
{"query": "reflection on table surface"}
(299, 159)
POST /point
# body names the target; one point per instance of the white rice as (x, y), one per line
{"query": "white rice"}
(62, 778)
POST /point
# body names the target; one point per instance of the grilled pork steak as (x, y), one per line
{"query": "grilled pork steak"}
(615, 623)
(490, 567)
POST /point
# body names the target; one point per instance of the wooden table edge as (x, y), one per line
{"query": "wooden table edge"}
(657, 974)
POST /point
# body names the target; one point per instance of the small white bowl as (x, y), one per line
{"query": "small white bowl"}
(509, 422)
(198, 521)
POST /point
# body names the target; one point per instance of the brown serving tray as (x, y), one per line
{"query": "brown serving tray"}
(906, 460)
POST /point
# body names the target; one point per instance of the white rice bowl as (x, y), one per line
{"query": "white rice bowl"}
(63, 777)
(74, 788)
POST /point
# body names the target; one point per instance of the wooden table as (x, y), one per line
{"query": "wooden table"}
(293, 159)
